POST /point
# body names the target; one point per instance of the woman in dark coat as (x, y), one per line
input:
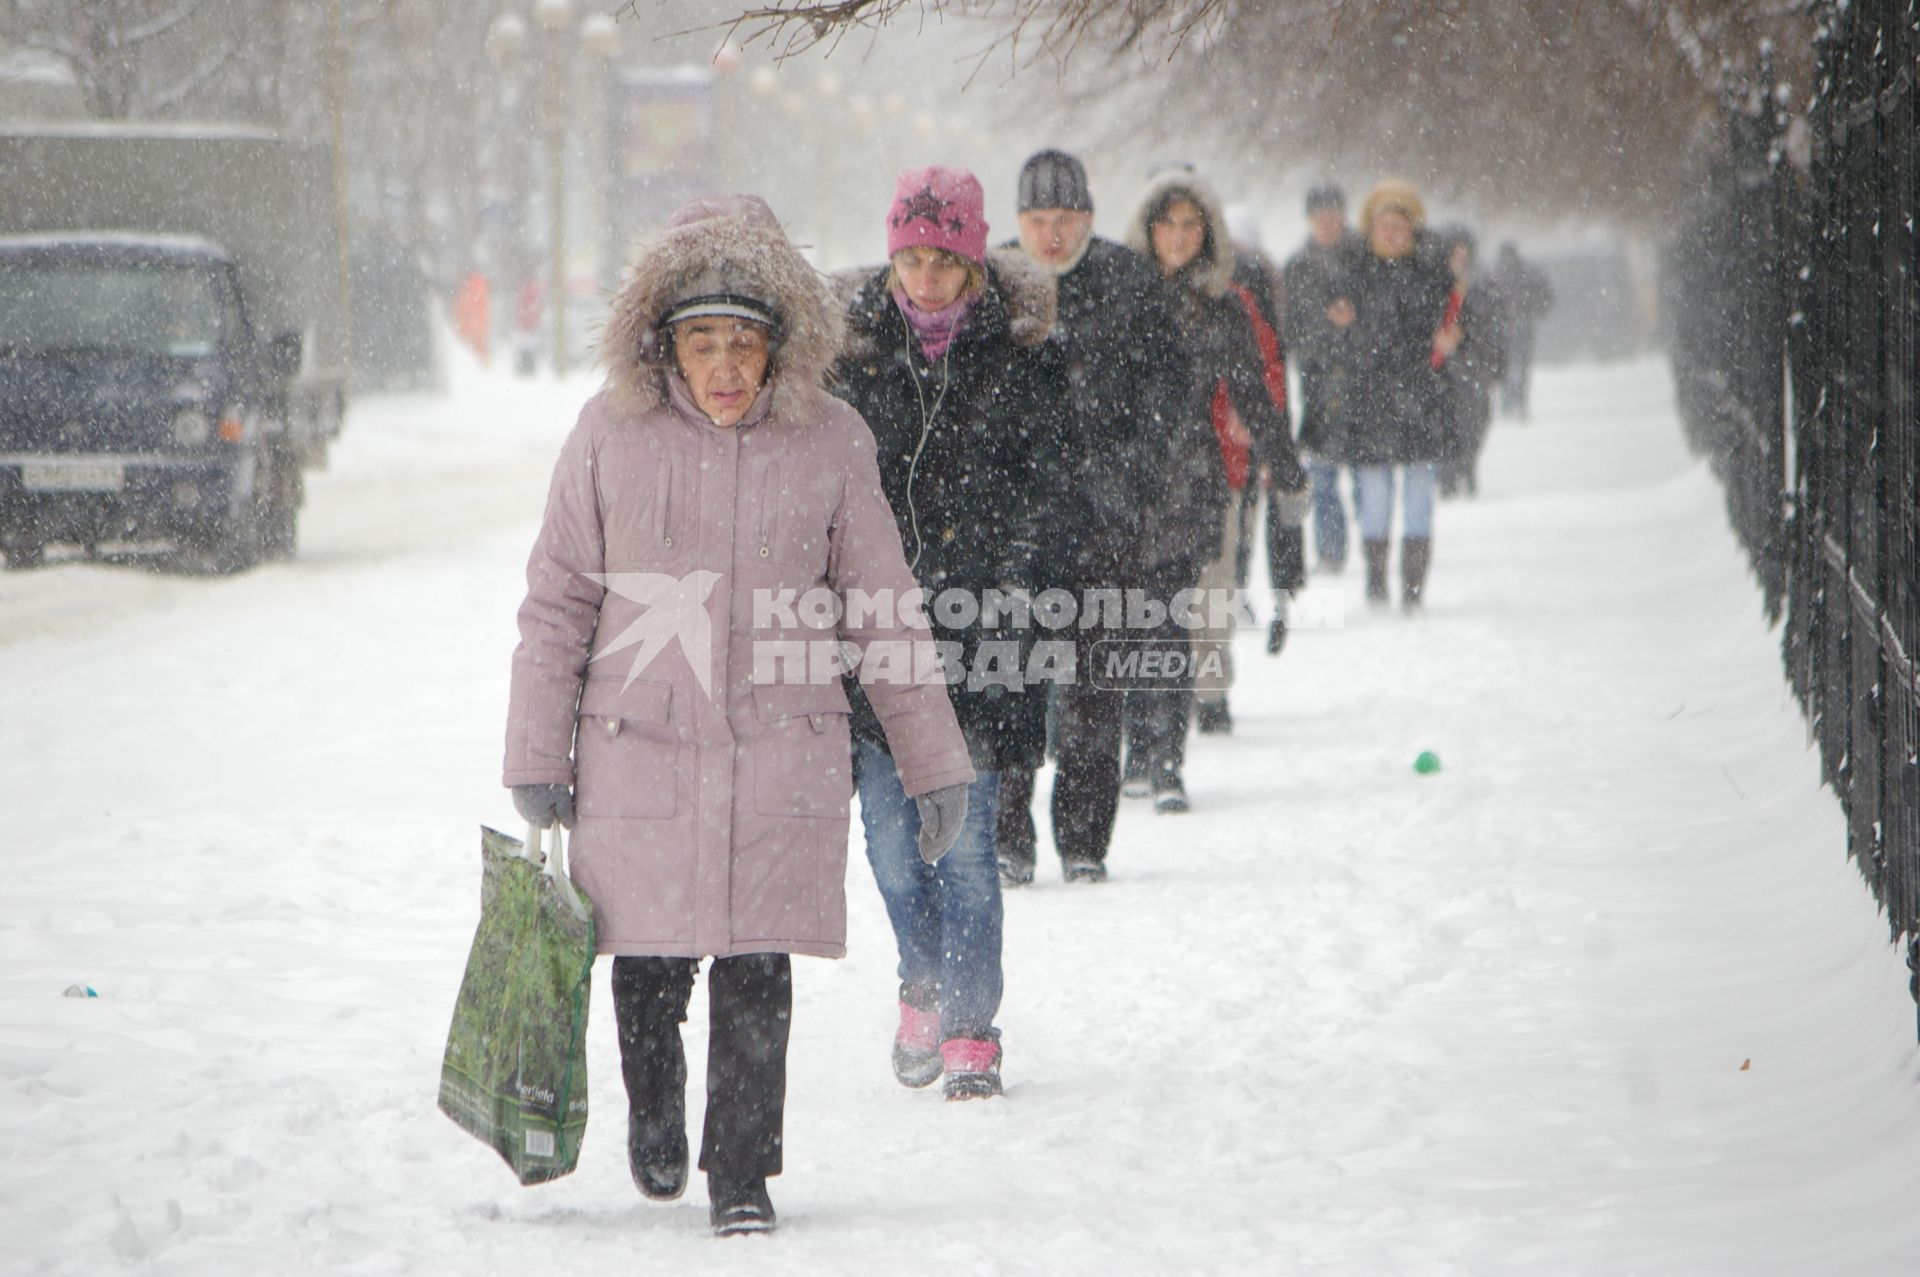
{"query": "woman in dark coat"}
(1180, 229)
(941, 362)
(1399, 338)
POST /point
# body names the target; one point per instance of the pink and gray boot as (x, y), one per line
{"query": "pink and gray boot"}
(916, 1047)
(972, 1066)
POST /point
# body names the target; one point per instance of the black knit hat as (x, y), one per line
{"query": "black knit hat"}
(1054, 179)
(1327, 196)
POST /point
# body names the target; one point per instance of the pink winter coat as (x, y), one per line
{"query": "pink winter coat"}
(712, 796)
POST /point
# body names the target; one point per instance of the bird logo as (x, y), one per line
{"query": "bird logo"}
(676, 609)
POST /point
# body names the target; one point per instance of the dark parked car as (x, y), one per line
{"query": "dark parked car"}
(172, 339)
(137, 402)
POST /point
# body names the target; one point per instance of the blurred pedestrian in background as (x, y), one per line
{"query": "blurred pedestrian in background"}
(1528, 296)
(1123, 376)
(1400, 291)
(1319, 340)
(1228, 412)
(1471, 371)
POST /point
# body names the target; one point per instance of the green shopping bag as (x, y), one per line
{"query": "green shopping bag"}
(515, 1070)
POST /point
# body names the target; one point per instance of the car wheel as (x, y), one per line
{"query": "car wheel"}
(23, 553)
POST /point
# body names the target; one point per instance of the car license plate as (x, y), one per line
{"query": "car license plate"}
(73, 476)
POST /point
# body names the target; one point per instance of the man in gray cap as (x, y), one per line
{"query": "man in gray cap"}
(1122, 374)
(1318, 318)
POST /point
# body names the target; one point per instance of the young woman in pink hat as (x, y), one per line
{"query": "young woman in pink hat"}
(941, 360)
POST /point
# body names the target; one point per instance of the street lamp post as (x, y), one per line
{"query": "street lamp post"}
(555, 17)
(600, 41)
(506, 47)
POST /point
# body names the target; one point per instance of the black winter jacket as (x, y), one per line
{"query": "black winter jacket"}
(1123, 380)
(1314, 278)
(1469, 374)
(1185, 524)
(959, 441)
(1399, 406)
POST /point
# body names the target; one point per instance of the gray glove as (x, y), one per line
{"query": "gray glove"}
(942, 812)
(541, 805)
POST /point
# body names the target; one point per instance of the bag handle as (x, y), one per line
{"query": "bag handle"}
(553, 860)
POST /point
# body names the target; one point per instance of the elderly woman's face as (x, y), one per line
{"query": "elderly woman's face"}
(1392, 233)
(1179, 236)
(724, 362)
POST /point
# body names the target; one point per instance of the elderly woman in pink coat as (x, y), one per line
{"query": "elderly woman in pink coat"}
(675, 696)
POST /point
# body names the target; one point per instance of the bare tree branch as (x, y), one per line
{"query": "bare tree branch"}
(166, 22)
(186, 88)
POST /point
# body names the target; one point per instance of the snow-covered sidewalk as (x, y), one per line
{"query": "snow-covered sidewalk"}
(1601, 996)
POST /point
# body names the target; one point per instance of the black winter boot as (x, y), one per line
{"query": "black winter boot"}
(649, 1004)
(1213, 718)
(1416, 554)
(1169, 793)
(739, 1205)
(1014, 834)
(657, 1156)
(1377, 552)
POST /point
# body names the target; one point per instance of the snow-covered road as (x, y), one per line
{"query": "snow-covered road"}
(1602, 996)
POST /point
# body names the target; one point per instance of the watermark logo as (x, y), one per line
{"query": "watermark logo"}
(1132, 639)
(676, 612)
(1149, 665)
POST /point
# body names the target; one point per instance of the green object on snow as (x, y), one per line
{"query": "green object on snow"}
(1428, 763)
(515, 1070)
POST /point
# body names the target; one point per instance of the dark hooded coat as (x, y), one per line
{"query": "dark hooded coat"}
(964, 443)
(1214, 333)
(1400, 406)
(1314, 278)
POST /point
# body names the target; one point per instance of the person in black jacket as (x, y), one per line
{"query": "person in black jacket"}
(941, 361)
(1189, 541)
(1319, 319)
(1257, 281)
(1121, 379)
(1469, 373)
(1400, 337)
(1528, 295)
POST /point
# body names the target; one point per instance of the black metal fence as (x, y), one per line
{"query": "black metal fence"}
(1851, 622)
(1794, 306)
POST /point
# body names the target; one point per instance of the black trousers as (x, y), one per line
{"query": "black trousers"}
(749, 1009)
(1087, 731)
(1286, 552)
(1157, 719)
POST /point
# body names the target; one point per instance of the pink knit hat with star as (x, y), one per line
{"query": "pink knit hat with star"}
(939, 207)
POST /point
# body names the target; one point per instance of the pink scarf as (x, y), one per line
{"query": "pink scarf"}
(934, 329)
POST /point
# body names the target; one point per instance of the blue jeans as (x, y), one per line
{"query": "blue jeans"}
(1329, 516)
(946, 917)
(1373, 499)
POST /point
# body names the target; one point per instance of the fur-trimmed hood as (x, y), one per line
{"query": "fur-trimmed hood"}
(1026, 291)
(1394, 193)
(1215, 274)
(721, 244)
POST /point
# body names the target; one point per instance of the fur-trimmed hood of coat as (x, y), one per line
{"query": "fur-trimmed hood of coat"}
(1026, 291)
(1392, 193)
(1214, 274)
(721, 244)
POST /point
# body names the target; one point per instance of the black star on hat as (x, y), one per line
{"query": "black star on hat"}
(924, 205)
